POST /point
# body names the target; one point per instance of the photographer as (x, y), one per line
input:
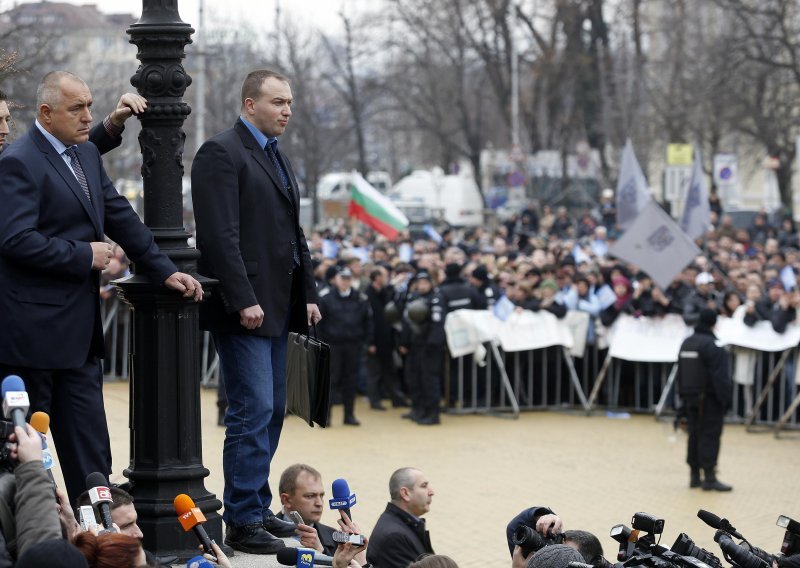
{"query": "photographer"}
(544, 522)
(27, 503)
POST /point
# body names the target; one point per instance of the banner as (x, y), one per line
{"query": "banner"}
(647, 340)
(696, 210)
(656, 244)
(760, 337)
(632, 191)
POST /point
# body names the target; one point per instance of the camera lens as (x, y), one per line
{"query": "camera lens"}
(527, 539)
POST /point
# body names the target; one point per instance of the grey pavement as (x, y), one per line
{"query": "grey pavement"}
(595, 472)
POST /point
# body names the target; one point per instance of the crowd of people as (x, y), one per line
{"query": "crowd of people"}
(388, 301)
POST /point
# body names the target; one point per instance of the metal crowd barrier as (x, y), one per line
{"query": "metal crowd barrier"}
(551, 379)
(546, 379)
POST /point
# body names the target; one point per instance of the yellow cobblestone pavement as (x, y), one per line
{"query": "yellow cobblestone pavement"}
(593, 471)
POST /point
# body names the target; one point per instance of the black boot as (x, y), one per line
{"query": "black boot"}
(711, 483)
(694, 478)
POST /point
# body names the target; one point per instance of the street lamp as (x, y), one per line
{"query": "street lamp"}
(166, 450)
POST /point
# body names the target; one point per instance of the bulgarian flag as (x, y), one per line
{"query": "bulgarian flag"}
(374, 209)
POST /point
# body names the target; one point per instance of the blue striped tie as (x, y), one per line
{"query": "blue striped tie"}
(78, 170)
(271, 149)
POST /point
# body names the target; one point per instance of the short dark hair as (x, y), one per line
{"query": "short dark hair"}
(119, 498)
(3, 96)
(251, 88)
(288, 481)
(588, 545)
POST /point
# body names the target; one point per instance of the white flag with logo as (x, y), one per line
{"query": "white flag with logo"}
(696, 210)
(656, 244)
(632, 192)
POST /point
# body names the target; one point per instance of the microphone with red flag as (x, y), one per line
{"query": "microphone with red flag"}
(100, 496)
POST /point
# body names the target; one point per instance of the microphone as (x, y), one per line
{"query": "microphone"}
(717, 523)
(41, 423)
(199, 562)
(342, 498)
(100, 496)
(191, 519)
(15, 400)
(302, 557)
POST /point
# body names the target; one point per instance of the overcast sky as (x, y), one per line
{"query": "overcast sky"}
(321, 14)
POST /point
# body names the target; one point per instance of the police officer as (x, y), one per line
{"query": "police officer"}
(487, 291)
(706, 390)
(346, 325)
(423, 341)
(458, 294)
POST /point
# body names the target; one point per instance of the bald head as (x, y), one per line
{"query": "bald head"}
(50, 92)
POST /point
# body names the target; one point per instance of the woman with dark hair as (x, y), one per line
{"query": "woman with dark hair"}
(730, 302)
(111, 550)
(623, 304)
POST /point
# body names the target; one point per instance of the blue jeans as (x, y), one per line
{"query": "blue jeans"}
(255, 383)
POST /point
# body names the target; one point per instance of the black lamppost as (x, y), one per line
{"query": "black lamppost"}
(166, 450)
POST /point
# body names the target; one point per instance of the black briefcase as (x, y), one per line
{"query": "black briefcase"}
(308, 378)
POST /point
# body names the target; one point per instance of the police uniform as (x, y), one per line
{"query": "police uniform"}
(706, 390)
(458, 294)
(346, 325)
(423, 336)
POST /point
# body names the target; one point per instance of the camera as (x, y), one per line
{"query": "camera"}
(647, 523)
(685, 546)
(791, 538)
(6, 429)
(530, 541)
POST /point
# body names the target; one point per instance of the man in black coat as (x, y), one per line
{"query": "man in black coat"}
(248, 231)
(706, 390)
(400, 536)
(346, 327)
(382, 379)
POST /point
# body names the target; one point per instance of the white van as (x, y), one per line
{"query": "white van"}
(456, 196)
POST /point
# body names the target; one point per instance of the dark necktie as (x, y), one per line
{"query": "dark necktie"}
(76, 167)
(271, 149)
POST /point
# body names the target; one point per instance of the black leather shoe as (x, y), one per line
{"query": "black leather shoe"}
(715, 485)
(377, 406)
(279, 527)
(351, 421)
(429, 421)
(411, 416)
(252, 539)
(694, 479)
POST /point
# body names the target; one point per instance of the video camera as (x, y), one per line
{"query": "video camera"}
(645, 550)
(744, 554)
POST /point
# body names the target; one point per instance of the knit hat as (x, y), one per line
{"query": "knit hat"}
(555, 556)
(549, 283)
(481, 273)
(55, 553)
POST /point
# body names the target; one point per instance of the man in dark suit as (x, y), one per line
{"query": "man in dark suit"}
(57, 204)
(248, 231)
(400, 536)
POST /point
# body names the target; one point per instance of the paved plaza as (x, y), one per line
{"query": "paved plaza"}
(593, 471)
